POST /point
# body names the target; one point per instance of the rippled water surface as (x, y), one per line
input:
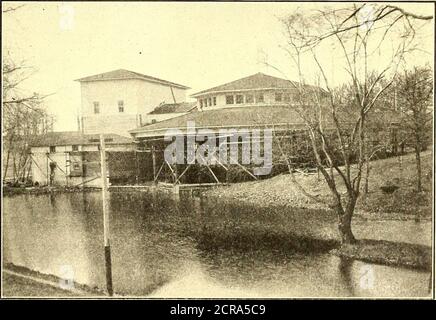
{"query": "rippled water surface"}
(164, 247)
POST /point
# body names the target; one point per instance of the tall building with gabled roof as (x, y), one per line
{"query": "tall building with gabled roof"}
(117, 101)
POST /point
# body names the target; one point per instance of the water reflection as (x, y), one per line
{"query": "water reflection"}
(345, 271)
(194, 248)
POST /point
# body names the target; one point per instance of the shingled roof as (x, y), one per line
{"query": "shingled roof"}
(67, 138)
(235, 117)
(174, 108)
(253, 82)
(121, 74)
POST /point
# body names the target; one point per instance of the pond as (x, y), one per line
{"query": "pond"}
(192, 247)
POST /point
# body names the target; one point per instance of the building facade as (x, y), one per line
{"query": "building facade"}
(250, 105)
(255, 90)
(119, 100)
(71, 158)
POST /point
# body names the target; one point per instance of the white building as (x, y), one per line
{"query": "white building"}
(117, 101)
(71, 158)
(255, 90)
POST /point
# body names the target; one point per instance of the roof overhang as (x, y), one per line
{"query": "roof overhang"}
(141, 133)
(175, 85)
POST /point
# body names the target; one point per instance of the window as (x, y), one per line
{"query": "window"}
(210, 101)
(286, 98)
(76, 166)
(239, 99)
(229, 100)
(96, 107)
(52, 149)
(121, 106)
(201, 103)
(75, 147)
(278, 96)
(259, 97)
(249, 98)
(214, 101)
(153, 120)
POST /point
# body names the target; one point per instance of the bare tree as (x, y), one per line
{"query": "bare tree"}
(415, 90)
(337, 123)
(12, 8)
(24, 115)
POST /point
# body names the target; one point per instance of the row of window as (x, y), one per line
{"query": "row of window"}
(74, 147)
(279, 97)
(208, 102)
(97, 106)
(239, 98)
(250, 98)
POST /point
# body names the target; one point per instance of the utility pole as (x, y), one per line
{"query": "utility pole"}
(107, 246)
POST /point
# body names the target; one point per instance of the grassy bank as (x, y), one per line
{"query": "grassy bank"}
(404, 203)
(389, 253)
(16, 286)
(22, 282)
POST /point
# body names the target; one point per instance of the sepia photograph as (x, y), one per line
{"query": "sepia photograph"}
(160, 150)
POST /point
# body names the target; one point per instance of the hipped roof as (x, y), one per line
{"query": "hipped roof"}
(256, 81)
(122, 74)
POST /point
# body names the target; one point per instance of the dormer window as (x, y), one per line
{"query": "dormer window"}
(210, 102)
(96, 107)
(120, 106)
(278, 96)
(249, 98)
(214, 101)
(230, 100)
(286, 98)
(239, 99)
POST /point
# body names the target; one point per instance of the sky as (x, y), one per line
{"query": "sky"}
(196, 44)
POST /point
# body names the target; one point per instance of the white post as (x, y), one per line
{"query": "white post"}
(107, 246)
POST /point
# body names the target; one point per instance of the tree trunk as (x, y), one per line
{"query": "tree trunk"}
(345, 231)
(366, 189)
(344, 221)
(7, 164)
(418, 166)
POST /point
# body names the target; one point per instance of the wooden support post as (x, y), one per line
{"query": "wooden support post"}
(153, 157)
(137, 167)
(176, 173)
(158, 173)
(67, 159)
(46, 170)
(400, 160)
(106, 235)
